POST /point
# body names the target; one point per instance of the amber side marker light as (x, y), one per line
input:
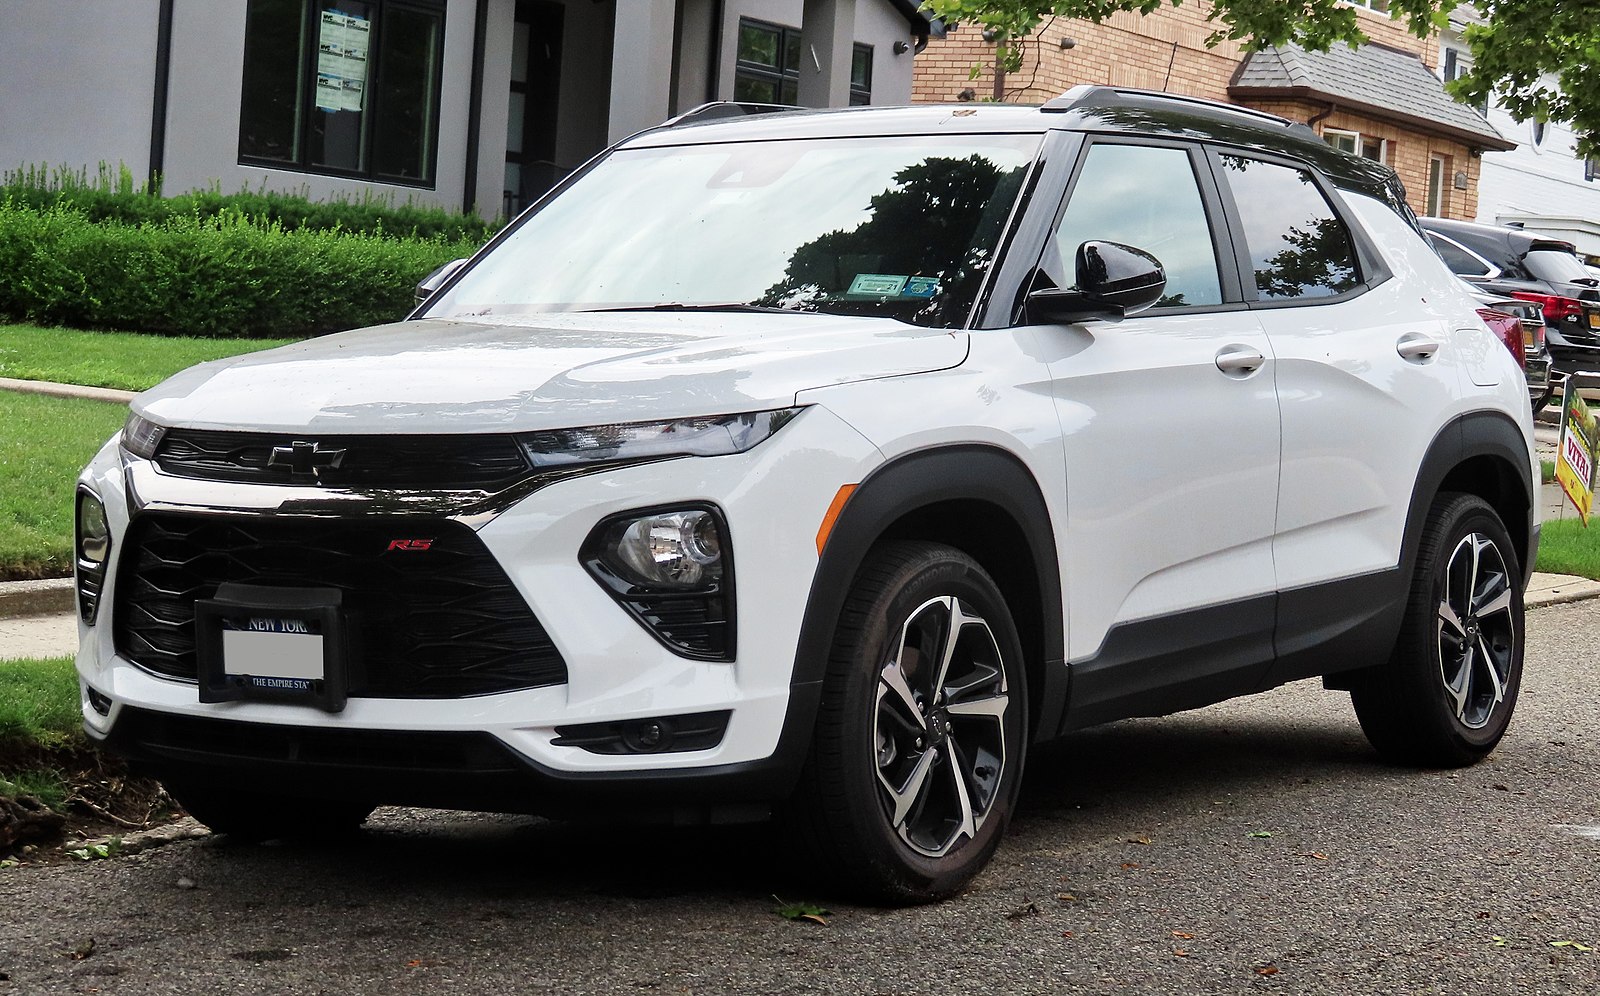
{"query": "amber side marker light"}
(832, 516)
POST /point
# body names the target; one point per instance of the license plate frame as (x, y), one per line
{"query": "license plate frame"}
(259, 644)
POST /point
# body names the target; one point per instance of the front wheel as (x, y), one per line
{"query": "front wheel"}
(920, 737)
(1446, 697)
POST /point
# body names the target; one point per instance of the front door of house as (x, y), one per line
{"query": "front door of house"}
(535, 96)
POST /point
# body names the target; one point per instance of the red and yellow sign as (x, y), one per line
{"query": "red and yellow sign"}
(1575, 460)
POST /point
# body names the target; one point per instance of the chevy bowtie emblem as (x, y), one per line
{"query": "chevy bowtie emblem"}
(305, 459)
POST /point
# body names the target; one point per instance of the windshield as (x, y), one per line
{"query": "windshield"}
(903, 227)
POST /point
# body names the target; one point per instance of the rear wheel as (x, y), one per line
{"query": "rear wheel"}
(1447, 695)
(257, 816)
(920, 737)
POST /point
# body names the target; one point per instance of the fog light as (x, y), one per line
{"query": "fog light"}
(92, 548)
(677, 549)
(672, 569)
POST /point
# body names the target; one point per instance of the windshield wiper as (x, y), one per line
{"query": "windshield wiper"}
(680, 306)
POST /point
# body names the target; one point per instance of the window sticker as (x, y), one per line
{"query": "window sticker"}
(878, 284)
(921, 287)
(342, 61)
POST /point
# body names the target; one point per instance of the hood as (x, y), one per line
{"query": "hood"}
(543, 372)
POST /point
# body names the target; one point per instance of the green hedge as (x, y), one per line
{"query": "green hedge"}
(113, 196)
(219, 275)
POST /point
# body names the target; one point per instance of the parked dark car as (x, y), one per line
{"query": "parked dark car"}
(1531, 267)
(1520, 325)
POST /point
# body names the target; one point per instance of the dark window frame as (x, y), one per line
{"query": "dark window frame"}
(310, 11)
(783, 73)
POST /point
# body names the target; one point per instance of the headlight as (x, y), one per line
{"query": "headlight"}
(140, 436)
(714, 435)
(672, 569)
(92, 547)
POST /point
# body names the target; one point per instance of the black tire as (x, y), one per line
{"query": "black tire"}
(256, 816)
(1446, 696)
(881, 722)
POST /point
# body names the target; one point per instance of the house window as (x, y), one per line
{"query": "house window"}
(1357, 144)
(1591, 168)
(345, 87)
(1435, 208)
(1379, 5)
(1452, 65)
(861, 76)
(767, 70)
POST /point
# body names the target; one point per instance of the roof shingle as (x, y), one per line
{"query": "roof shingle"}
(1379, 80)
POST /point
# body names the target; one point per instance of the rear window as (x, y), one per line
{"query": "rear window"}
(1557, 265)
(1458, 259)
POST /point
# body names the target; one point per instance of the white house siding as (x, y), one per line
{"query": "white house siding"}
(50, 49)
(1541, 185)
(203, 114)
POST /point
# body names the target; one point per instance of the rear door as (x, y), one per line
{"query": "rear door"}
(1368, 371)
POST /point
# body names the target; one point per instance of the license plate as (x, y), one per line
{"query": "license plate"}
(271, 644)
(1594, 319)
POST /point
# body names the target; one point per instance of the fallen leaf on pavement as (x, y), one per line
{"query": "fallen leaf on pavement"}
(1139, 840)
(1267, 970)
(1574, 945)
(1066, 897)
(1259, 833)
(82, 951)
(1024, 911)
(1127, 865)
(1318, 855)
(1180, 935)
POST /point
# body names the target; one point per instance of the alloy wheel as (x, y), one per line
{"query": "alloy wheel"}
(1476, 630)
(939, 727)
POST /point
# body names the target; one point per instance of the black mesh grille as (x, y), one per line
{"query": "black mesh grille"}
(466, 461)
(436, 623)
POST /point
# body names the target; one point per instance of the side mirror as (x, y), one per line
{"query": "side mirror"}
(433, 281)
(1114, 281)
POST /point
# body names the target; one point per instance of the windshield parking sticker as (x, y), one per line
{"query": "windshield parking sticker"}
(921, 287)
(878, 284)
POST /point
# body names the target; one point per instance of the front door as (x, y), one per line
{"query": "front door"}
(1170, 424)
(535, 94)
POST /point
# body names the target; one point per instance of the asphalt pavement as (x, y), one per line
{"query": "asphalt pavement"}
(1255, 846)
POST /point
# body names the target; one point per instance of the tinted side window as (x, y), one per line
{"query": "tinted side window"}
(1458, 259)
(1298, 246)
(1147, 198)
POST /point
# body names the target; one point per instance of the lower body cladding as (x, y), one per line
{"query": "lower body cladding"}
(486, 668)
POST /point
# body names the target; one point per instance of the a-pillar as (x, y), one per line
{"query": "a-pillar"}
(827, 42)
(641, 66)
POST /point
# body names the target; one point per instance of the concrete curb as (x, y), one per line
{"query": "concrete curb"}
(35, 598)
(1558, 589)
(54, 390)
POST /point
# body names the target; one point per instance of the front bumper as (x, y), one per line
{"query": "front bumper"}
(773, 497)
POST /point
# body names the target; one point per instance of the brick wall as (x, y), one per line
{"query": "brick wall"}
(1167, 50)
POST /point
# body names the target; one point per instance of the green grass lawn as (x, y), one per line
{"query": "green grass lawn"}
(44, 444)
(39, 702)
(1566, 547)
(125, 360)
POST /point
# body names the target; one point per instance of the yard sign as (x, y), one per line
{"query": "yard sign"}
(1575, 460)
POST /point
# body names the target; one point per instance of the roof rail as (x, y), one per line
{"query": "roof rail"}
(1087, 96)
(719, 109)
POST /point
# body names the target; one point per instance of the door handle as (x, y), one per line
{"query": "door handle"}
(1417, 347)
(1240, 361)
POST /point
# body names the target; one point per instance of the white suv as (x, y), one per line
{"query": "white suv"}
(826, 461)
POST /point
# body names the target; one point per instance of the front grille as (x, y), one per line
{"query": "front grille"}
(489, 462)
(440, 622)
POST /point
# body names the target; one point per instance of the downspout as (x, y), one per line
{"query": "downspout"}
(1317, 119)
(469, 184)
(158, 102)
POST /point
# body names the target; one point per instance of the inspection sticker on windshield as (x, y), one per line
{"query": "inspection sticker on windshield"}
(921, 287)
(878, 284)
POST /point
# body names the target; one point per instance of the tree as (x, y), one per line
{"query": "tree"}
(1533, 55)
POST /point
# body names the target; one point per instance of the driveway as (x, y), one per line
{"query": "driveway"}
(1251, 847)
